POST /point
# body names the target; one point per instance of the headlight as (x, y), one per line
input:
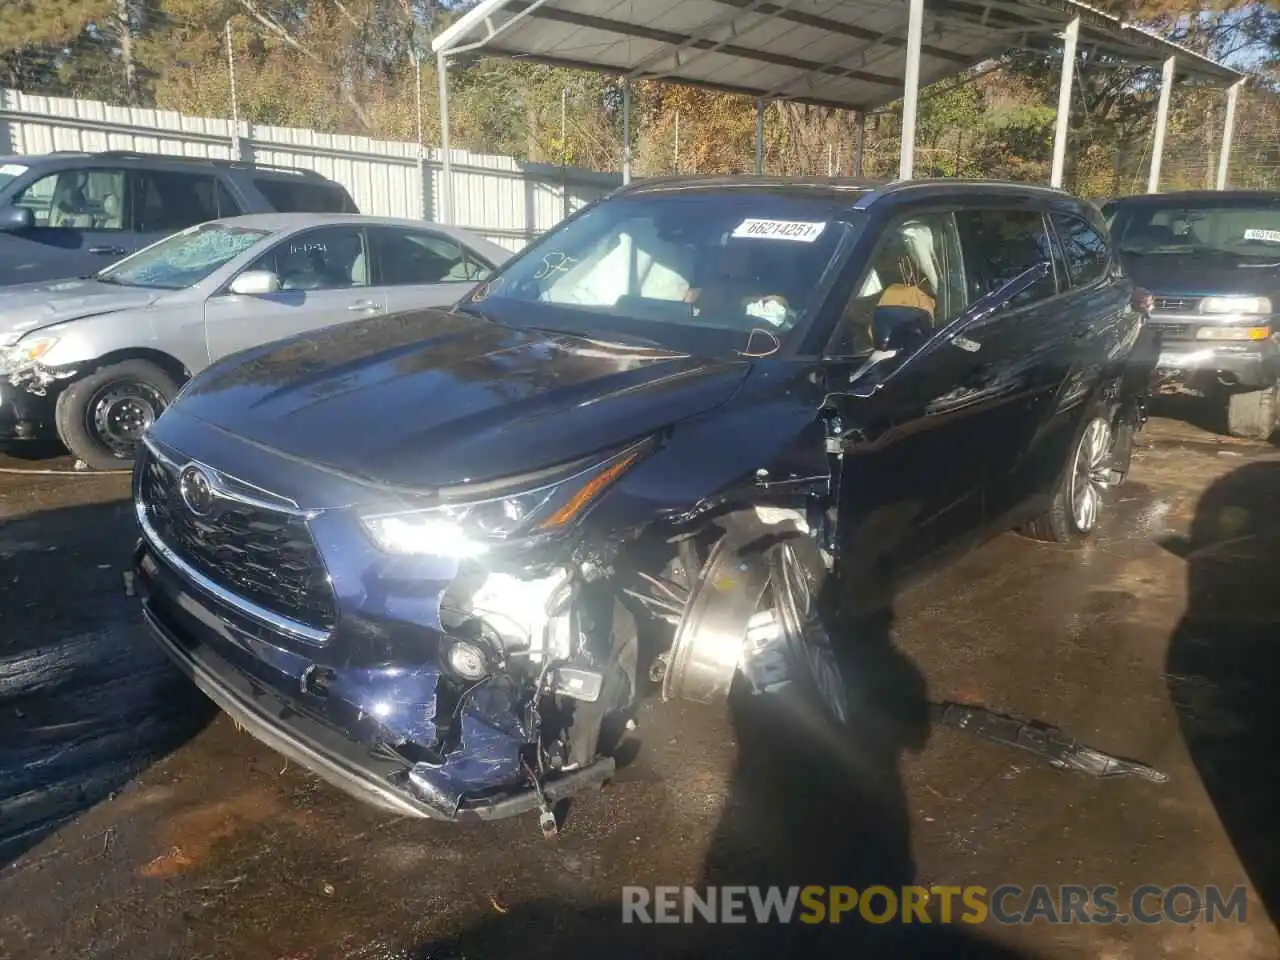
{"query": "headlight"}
(1252, 305)
(1233, 333)
(470, 529)
(29, 350)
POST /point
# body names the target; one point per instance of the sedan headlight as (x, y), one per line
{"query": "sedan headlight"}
(472, 528)
(28, 351)
(1242, 305)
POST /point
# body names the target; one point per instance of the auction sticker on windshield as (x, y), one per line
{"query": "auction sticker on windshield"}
(798, 230)
(1270, 236)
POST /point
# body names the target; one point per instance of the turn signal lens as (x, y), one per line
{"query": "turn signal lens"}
(1233, 333)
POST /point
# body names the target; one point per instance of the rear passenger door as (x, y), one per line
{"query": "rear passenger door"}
(422, 268)
(1025, 343)
(324, 279)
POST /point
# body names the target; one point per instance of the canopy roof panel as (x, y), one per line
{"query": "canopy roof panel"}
(849, 54)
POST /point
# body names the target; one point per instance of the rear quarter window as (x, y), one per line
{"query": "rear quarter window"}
(298, 196)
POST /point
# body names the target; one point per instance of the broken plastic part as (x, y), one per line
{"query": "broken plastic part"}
(1062, 751)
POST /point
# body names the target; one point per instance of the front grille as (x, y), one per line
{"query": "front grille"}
(1176, 331)
(1177, 304)
(266, 556)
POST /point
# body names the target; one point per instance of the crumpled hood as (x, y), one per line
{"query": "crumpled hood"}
(27, 307)
(431, 398)
(1176, 276)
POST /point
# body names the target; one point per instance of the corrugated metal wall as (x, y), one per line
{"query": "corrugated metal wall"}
(499, 198)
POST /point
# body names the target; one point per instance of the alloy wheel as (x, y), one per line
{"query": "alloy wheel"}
(1091, 474)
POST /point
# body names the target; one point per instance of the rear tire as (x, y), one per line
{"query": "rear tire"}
(1078, 495)
(101, 418)
(1253, 414)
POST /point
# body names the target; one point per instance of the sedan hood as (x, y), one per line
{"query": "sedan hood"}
(27, 307)
(1179, 276)
(430, 398)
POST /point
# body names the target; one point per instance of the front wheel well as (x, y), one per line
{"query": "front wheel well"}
(170, 364)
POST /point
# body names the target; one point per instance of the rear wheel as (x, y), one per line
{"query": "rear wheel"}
(101, 418)
(1080, 493)
(1252, 414)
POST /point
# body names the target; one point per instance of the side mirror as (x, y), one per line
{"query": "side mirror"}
(16, 219)
(255, 283)
(901, 330)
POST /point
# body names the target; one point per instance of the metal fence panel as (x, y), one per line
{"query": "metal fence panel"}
(499, 198)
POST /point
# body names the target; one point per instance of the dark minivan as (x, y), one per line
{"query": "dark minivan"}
(72, 214)
(1212, 261)
(426, 554)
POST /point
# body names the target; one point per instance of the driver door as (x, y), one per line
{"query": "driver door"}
(911, 477)
(324, 280)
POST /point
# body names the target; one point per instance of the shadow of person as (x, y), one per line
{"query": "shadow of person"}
(1223, 665)
(87, 700)
(809, 804)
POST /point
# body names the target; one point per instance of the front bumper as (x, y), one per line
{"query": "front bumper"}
(1247, 364)
(23, 415)
(206, 645)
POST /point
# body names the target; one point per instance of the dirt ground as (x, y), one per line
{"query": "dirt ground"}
(135, 822)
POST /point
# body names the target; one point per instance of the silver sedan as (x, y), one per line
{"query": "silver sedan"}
(96, 359)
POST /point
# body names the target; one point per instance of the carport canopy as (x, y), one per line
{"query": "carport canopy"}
(853, 55)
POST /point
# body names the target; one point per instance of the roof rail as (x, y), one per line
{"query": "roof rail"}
(215, 161)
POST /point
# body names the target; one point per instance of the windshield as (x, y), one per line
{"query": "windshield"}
(9, 171)
(1247, 229)
(184, 259)
(723, 274)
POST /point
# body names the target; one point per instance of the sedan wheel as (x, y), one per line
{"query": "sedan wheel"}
(1091, 474)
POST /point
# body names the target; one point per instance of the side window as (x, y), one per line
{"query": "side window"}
(412, 257)
(298, 196)
(1001, 244)
(77, 199)
(1085, 249)
(228, 206)
(916, 263)
(330, 258)
(165, 201)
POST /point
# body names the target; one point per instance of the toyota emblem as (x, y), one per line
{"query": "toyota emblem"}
(196, 490)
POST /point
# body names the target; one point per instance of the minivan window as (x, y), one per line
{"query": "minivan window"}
(77, 199)
(165, 201)
(1002, 244)
(184, 259)
(1085, 249)
(298, 196)
(1246, 228)
(733, 274)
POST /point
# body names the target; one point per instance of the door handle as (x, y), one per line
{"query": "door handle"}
(365, 306)
(108, 250)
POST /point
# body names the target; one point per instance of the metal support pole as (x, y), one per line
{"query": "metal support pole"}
(1228, 130)
(1162, 123)
(859, 141)
(911, 90)
(759, 137)
(236, 149)
(626, 131)
(1070, 37)
(446, 161)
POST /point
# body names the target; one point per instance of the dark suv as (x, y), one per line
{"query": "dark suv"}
(418, 552)
(71, 214)
(1212, 261)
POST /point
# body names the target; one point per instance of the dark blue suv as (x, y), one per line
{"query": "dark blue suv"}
(71, 214)
(439, 556)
